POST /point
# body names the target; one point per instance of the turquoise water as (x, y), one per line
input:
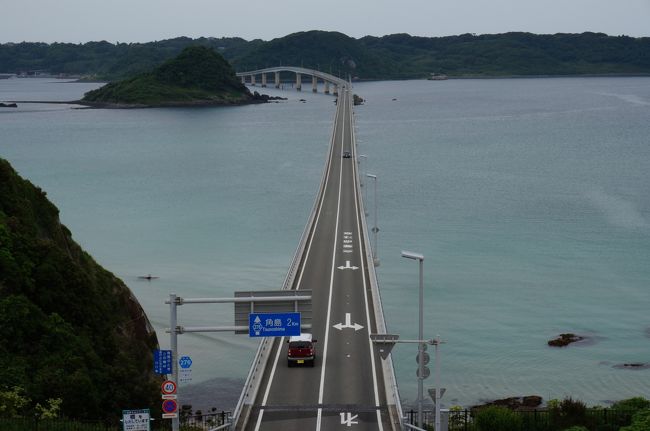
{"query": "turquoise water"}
(528, 197)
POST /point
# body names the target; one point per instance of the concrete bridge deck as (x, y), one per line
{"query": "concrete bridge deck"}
(349, 387)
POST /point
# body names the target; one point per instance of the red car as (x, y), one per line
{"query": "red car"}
(301, 350)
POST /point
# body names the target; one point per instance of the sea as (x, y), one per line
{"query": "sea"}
(529, 199)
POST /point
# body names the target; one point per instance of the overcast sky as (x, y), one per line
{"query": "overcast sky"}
(147, 20)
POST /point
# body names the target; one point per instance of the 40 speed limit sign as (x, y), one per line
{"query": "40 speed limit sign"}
(168, 387)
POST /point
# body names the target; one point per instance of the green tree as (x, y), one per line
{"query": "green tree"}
(640, 421)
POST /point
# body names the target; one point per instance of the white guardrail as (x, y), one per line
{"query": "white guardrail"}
(254, 378)
(390, 381)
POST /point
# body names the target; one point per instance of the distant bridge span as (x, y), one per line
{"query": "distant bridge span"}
(316, 75)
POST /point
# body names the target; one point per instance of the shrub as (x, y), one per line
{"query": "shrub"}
(569, 413)
(632, 404)
(640, 421)
(577, 428)
(495, 418)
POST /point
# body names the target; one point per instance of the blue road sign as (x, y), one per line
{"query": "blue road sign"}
(162, 361)
(185, 362)
(273, 324)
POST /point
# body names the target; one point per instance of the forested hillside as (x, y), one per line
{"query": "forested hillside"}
(72, 335)
(197, 76)
(397, 56)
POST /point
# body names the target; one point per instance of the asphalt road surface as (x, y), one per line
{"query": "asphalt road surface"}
(345, 388)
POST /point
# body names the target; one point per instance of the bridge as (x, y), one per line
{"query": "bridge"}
(316, 75)
(350, 386)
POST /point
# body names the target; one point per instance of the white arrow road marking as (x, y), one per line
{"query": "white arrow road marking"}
(347, 266)
(347, 324)
(348, 419)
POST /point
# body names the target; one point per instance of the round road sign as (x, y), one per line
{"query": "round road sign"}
(425, 357)
(425, 374)
(169, 406)
(168, 387)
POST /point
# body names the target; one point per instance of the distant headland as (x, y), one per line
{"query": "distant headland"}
(198, 76)
(395, 56)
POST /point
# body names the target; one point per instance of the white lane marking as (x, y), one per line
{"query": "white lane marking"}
(318, 418)
(268, 387)
(302, 271)
(329, 301)
(259, 420)
(347, 324)
(365, 297)
(347, 266)
(348, 420)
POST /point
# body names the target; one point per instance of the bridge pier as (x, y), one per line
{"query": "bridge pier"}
(330, 83)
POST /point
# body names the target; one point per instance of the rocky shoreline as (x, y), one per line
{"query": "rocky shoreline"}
(255, 98)
(526, 403)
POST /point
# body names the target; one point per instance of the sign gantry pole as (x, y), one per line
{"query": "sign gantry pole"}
(173, 342)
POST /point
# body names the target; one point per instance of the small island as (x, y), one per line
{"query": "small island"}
(198, 76)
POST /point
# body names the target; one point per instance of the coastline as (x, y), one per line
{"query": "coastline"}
(177, 104)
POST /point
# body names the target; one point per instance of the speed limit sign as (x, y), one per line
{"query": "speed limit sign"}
(168, 387)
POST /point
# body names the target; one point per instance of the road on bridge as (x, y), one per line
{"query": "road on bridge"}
(345, 388)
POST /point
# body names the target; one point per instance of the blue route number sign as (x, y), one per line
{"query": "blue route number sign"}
(185, 362)
(273, 324)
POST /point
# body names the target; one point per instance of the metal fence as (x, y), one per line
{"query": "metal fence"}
(594, 419)
(33, 424)
(206, 421)
(202, 422)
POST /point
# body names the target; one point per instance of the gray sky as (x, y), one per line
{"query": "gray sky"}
(147, 20)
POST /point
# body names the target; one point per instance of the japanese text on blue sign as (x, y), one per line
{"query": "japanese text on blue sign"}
(273, 324)
(162, 362)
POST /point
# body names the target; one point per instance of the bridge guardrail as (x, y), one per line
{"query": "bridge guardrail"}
(392, 389)
(253, 380)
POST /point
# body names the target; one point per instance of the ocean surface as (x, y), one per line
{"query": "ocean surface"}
(530, 199)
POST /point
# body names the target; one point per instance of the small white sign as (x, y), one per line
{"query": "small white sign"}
(169, 415)
(185, 375)
(135, 420)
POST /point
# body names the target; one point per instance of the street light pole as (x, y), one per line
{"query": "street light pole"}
(361, 165)
(375, 229)
(362, 183)
(436, 358)
(421, 346)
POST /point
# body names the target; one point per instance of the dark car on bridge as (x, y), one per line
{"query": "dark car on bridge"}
(346, 155)
(301, 350)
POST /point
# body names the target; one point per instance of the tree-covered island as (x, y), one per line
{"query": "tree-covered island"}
(198, 76)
